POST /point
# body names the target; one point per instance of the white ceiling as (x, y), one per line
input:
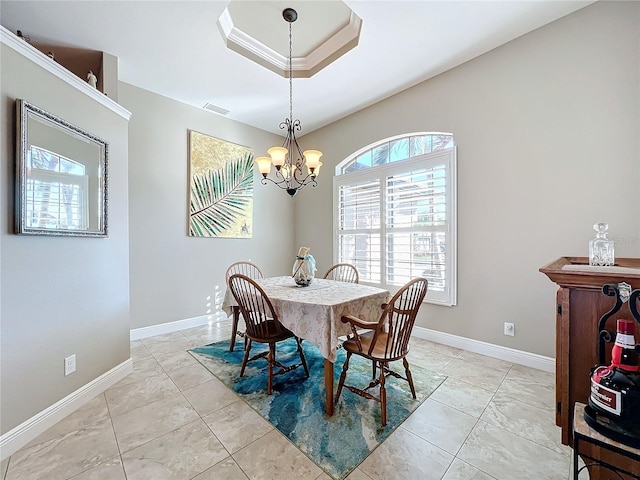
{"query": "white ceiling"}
(174, 48)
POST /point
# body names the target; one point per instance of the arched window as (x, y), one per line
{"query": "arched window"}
(395, 213)
(395, 149)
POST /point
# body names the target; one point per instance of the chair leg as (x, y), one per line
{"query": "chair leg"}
(374, 365)
(383, 397)
(234, 328)
(409, 376)
(245, 359)
(343, 376)
(271, 359)
(302, 359)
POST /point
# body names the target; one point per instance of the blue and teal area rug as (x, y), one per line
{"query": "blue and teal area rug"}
(339, 443)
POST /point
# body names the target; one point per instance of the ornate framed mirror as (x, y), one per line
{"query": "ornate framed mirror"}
(61, 176)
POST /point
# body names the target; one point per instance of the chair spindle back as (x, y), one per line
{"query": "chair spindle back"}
(343, 272)
(399, 316)
(256, 308)
(247, 269)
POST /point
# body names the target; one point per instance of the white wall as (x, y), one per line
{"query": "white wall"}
(174, 276)
(547, 128)
(59, 295)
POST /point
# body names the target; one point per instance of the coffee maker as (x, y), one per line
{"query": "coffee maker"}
(614, 403)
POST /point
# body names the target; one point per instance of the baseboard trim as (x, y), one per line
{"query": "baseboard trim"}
(520, 357)
(18, 437)
(170, 327)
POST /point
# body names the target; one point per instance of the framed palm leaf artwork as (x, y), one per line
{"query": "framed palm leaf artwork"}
(221, 188)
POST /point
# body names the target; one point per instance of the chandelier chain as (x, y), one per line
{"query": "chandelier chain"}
(294, 169)
(290, 77)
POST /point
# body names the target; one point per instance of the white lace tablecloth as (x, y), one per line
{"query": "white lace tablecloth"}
(314, 312)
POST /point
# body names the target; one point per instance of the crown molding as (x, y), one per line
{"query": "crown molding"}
(330, 50)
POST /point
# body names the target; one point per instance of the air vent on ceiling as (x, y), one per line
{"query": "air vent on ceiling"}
(215, 109)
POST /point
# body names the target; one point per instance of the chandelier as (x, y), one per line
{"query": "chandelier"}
(294, 169)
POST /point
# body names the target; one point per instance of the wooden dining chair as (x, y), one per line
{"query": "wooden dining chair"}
(263, 326)
(252, 271)
(386, 340)
(344, 272)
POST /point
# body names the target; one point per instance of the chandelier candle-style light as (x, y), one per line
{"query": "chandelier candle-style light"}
(294, 169)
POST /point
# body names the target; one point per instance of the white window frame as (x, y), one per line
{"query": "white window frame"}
(448, 158)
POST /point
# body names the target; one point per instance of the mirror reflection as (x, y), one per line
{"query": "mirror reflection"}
(61, 175)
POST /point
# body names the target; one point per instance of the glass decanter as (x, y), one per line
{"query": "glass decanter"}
(601, 248)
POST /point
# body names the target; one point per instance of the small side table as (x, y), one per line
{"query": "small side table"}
(623, 461)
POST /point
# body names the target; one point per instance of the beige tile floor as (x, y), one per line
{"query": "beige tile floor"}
(171, 419)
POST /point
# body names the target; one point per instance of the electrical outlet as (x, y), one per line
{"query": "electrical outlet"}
(70, 365)
(509, 329)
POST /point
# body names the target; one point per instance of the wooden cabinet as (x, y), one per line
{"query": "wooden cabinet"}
(586, 439)
(579, 305)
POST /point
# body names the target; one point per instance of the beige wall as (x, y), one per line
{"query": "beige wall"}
(547, 133)
(547, 128)
(174, 276)
(59, 295)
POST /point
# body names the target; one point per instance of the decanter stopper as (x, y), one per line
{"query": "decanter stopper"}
(601, 248)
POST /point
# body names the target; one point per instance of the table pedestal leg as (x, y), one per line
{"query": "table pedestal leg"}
(328, 386)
